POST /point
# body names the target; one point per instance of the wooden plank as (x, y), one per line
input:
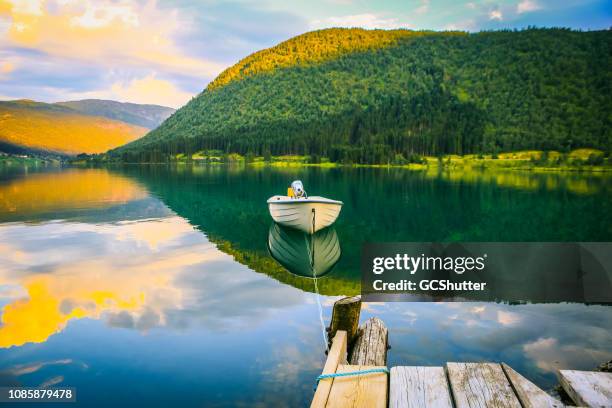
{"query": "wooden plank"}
(345, 316)
(419, 387)
(530, 395)
(335, 357)
(370, 348)
(480, 385)
(587, 388)
(367, 391)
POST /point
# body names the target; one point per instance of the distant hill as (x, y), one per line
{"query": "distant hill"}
(148, 116)
(27, 126)
(365, 96)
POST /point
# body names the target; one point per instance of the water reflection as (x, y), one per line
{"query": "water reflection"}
(578, 183)
(536, 340)
(155, 274)
(381, 205)
(132, 274)
(307, 255)
(65, 191)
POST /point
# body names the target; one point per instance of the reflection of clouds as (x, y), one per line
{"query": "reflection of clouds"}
(17, 374)
(410, 317)
(507, 318)
(228, 293)
(533, 338)
(153, 233)
(549, 355)
(371, 307)
(290, 367)
(23, 369)
(290, 361)
(134, 275)
(52, 381)
(478, 309)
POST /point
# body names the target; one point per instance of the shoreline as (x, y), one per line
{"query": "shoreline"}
(578, 161)
(527, 167)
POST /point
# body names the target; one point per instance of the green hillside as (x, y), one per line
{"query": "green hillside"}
(148, 116)
(363, 96)
(310, 48)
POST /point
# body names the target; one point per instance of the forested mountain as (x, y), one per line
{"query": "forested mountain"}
(42, 128)
(368, 96)
(148, 116)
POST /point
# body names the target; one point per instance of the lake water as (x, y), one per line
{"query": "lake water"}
(153, 286)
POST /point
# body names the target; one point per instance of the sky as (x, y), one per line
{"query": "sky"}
(166, 52)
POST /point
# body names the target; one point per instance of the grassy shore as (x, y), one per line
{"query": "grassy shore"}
(25, 160)
(590, 160)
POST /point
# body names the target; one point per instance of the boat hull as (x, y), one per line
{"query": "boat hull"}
(307, 255)
(305, 214)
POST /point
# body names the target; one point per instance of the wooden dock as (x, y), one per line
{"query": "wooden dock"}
(460, 385)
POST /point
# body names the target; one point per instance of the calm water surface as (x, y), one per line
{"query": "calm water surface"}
(154, 286)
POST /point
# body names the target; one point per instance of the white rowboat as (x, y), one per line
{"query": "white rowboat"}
(305, 214)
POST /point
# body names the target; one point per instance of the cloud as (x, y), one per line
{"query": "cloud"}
(148, 89)
(98, 17)
(526, 6)
(109, 33)
(131, 51)
(6, 67)
(423, 8)
(466, 25)
(366, 20)
(33, 7)
(495, 15)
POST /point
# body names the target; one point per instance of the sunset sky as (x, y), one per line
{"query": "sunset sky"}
(165, 52)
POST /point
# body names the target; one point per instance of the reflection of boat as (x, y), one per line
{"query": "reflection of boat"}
(297, 210)
(304, 254)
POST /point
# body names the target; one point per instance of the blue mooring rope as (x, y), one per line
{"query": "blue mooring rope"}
(351, 373)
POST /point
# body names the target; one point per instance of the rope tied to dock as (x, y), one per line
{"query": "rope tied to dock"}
(384, 370)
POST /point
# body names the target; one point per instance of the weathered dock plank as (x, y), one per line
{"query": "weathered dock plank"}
(367, 390)
(530, 395)
(370, 347)
(587, 388)
(335, 357)
(480, 385)
(419, 387)
(345, 316)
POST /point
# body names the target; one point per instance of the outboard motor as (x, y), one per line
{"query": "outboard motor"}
(298, 189)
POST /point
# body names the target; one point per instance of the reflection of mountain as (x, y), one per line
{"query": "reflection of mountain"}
(228, 205)
(223, 203)
(576, 183)
(89, 194)
(308, 255)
